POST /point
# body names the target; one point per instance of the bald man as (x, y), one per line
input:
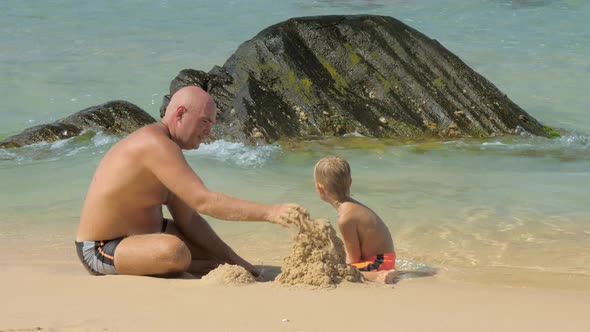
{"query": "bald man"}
(122, 229)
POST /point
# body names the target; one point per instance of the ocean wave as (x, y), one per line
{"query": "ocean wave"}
(571, 147)
(51, 151)
(6, 154)
(238, 154)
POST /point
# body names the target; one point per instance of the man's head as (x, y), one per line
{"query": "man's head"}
(332, 178)
(189, 116)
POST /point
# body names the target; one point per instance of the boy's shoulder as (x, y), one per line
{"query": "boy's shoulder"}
(353, 211)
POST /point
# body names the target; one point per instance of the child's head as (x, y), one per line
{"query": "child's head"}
(332, 178)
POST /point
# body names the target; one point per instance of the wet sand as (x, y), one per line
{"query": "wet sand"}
(57, 295)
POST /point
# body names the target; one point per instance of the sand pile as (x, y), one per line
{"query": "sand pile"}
(229, 274)
(317, 258)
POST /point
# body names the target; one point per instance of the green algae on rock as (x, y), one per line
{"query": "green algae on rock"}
(333, 75)
(113, 117)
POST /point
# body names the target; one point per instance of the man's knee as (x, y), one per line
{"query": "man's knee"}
(174, 254)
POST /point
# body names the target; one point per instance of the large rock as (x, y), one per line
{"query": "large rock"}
(332, 75)
(113, 117)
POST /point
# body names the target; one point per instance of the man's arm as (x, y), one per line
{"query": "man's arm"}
(166, 161)
(197, 231)
(350, 237)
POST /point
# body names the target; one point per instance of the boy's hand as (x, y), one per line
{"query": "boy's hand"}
(287, 214)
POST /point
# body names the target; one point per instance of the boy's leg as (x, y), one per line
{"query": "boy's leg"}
(385, 277)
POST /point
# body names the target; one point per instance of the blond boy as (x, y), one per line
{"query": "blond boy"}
(367, 240)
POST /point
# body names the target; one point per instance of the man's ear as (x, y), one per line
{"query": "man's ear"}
(180, 111)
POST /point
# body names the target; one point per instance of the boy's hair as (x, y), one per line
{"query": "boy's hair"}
(333, 173)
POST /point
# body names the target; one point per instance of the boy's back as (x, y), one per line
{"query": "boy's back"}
(365, 235)
(367, 241)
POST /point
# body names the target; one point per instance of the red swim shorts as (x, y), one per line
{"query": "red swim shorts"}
(382, 262)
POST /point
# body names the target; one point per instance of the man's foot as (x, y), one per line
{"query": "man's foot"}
(386, 277)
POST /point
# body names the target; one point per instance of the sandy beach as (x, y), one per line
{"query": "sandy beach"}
(59, 296)
(491, 234)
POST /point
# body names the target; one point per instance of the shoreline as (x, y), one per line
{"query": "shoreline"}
(57, 252)
(45, 288)
(62, 297)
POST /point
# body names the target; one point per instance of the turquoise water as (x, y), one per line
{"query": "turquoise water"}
(510, 210)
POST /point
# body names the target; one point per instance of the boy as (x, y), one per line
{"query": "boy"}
(367, 240)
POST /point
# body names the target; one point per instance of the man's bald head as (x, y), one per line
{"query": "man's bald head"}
(189, 116)
(193, 98)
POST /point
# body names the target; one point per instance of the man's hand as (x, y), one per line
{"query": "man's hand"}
(252, 269)
(287, 214)
(246, 265)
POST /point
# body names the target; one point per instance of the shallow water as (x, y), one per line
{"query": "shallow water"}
(505, 210)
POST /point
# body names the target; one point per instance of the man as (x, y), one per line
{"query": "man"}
(122, 229)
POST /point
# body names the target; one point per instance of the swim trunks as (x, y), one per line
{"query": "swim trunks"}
(382, 262)
(98, 257)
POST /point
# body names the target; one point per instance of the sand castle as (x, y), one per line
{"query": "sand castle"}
(317, 258)
(226, 274)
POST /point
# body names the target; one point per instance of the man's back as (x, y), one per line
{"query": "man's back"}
(373, 235)
(124, 198)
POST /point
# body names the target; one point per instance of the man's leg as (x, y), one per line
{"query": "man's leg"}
(152, 254)
(202, 261)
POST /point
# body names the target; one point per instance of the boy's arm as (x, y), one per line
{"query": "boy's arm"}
(350, 236)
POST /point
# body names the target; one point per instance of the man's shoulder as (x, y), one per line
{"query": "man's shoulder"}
(145, 142)
(148, 130)
(150, 136)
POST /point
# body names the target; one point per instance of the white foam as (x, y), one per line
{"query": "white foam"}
(237, 153)
(76, 150)
(101, 139)
(7, 155)
(59, 144)
(492, 143)
(354, 134)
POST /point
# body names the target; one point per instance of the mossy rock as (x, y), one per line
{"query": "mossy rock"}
(371, 74)
(114, 117)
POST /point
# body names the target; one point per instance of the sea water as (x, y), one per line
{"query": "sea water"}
(513, 211)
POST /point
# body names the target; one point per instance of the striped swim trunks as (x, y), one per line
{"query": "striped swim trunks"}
(98, 257)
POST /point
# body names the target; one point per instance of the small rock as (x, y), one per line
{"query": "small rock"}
(257, 134)
(302, 116)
